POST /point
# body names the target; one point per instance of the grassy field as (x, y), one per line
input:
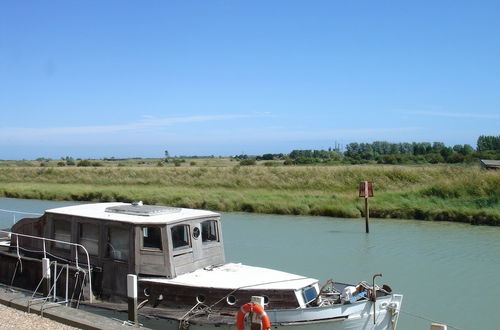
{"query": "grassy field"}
(463, 194)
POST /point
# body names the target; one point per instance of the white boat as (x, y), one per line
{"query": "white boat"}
(183, 279)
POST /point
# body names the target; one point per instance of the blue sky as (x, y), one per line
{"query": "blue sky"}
(135, 78)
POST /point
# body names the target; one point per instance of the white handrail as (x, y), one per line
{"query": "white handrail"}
(61, 242)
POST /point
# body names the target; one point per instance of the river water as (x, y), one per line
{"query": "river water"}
(447, 272)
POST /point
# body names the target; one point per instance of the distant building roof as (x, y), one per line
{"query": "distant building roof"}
(490, 163)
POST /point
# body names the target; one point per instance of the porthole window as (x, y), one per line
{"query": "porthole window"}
(231, 300)
(196, 232)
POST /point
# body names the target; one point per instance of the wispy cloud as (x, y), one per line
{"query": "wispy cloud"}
(139, 125)
(454, 114)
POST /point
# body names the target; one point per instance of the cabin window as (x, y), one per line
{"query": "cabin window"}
(89, 237)
(180, 236)
(62, 232)
(209, 231)
(117, 243)
(151, 237)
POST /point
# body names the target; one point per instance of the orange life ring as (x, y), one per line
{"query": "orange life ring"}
(252, 308)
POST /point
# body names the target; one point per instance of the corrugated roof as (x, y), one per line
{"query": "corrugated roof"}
(490, 162)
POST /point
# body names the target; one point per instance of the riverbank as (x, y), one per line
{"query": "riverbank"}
(444, 193)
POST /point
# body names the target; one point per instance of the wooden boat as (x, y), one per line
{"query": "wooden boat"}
(182, 276)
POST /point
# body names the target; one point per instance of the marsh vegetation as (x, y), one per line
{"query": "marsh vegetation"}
(451, 193)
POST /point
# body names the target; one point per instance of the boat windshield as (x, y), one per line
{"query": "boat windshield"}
(180, 236)
(209, 231)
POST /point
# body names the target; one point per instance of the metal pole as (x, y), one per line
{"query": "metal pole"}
(374, 296)
(67, 283)
(367, 215)
(55, 280)
(132, 298)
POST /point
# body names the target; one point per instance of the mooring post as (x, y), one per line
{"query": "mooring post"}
(256, 323)
(46, 276)
(366, 190)
(132, 298)
(367, 215)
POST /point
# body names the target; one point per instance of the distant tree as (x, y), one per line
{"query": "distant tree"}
(434, 158)
(488, 142)
(267, 157)
(240, 157)
(458, 148)
(467, 150)
(437, 147)
(446, 152)
(456, 157)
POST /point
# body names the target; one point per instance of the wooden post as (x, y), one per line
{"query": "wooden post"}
(366, 191)
(46, 276)
(367, 216)
(132, 298)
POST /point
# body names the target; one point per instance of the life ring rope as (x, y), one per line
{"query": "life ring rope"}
(252, 308)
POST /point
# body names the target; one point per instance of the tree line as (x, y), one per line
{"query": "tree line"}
(383, 152)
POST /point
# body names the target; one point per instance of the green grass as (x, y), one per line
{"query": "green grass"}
(463, 194)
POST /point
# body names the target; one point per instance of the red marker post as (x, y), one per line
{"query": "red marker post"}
(366, 191)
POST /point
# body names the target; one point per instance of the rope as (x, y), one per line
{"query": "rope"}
(252, 285)
(427, 319)
(19, 212)
(184, 322)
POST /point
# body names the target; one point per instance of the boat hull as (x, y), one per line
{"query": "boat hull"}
(344, 317)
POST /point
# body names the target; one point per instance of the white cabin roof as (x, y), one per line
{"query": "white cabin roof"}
(98, 211)
(238, 276)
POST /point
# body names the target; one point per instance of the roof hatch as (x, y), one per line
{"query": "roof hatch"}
(142, 210)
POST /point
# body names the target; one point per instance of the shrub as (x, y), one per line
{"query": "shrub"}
(84, 163)
(271, 164)
(247, 162)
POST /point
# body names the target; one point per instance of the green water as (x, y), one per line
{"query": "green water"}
(448, 272)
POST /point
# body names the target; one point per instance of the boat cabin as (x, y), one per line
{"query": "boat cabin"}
(122, 238)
